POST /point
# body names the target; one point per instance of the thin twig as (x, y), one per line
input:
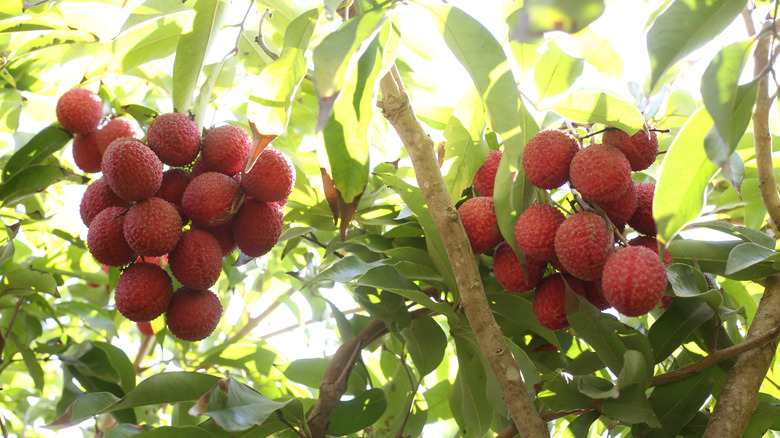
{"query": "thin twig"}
(143, 351)
(3, 427)
(287, 423)
(256, 320)
(4, 338)
(259, 38)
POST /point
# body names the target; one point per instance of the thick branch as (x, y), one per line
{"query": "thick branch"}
(399, 112)
(739, 397)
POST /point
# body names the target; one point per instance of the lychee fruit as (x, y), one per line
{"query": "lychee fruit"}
(79, 110)
(641, 149)
(197, 259)
(600, 173)
(549, 303)
(143, 292)
(174, 182)
(152, 227)
(85, 152)
(133, 171)
(642, 220)
(117, 128)
(486, 174)
(106, 239)
(595, 294)
(547, 156)
(257, 227)
(535, 230)
(225, 149)
(199, 167)
(97, 197)
(175, 138)
(478, 216)
(211, 199)
(651, 243)
(583, 243)
(620, 209)
(193, 314)
(271, 178)
(145, 328)
(224, 235)
(509, 272)
(634, 280)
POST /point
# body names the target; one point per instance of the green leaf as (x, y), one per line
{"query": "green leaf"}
(712, 256)
(520, 311)
(637, 368)
(685, 173)
(631, 407)
(31, 362)
(26, 281)
(463, 151)
(674, 326)
(471, 403)
(345, 269)
(539, 16)
(27, 23)
(676, 403)
(354, 415)
(599, 52)
(85, 407)
(153, 9)
(685, 26)
(688, 281)
(556, 71)
(746, 255)
(388, 277)
(309, 372)
(597, 107)
(426, 344)
(46, 142)
(55, 38)
(747, 234)
(31, 180)
(384, 305)
(10, 106)
(165, 431)
(171, 387)
(192, 49)
(597, 388)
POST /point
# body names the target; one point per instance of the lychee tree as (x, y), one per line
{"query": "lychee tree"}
(461, 220)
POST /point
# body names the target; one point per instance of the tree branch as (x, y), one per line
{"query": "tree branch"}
(4, 337)
(255, 321)
(398, 110)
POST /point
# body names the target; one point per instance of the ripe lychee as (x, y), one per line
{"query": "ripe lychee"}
(583, 243)
(143, 292)
(117, 128)
(199, 167)
(152, 227)
(133, 171)
(486, 174)
(651, 243)
(535, 230)
(79, 110)
(225, 149)
(85, 152)
(641, 149)
(634, 280)
(271, 178)
(211, 199)
(549, 302)
(193, 315)
(197, 259)
(600, 173)
(224, 235)
(642, 220)
(257, 227)
(620, 209)
(97, 197)
(509, 271)
(547, 156)
(106, 239)
(145, 328)
(595, 294)
(174, 182)
(478, 216)
(175, 138)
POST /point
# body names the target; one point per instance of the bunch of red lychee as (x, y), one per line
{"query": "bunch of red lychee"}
(195, 212)
(585, 247)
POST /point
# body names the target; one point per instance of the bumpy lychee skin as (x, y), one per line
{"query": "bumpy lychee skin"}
(174, 138)
(210, 199)
(535, 230)
(485, 177)
(595, 294)
(509, 271)
(651, 243)
(583, 244)
(79, 110)
(193, 315)
(152, 227)
(197, 259)
(143, 292)
(271, 178)
(634, 280)
(224, 235)
(133, 171)
(145, 328)
(117, 128)
(199, 167)
(106, 239)
(549, 302)
(600, 173)
(225, 149)
(620, 209)
(642, 220)
(98, 197)
(547, 156)
(174, 182)
(85, 152)
(478, 216)
(641, 149)
(257, 227)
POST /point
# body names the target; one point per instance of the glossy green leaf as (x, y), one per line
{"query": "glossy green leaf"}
(33, 179)
(676, 403)
(25, 281)
(520, 311)
(357, 414)
(712, 257)
(192, 49)
(24, 24)
(384, 305)
(560, 393)
(169, 387)
(85, 407)
(764, 418)
(676, 324)
(31, 362)
(426, 344)
(599, 53)
(345, 269)
(746, 255)
(166, 432)
(55, 38)
(597, 388)
(463, 152)
(472, 403)
(388, 277)
(154, 9)
(556, 71)
(539, 16)
(637, 369)
(597, 107)
(309, 372)
(746, 234)
(631, 406)
(46, 142)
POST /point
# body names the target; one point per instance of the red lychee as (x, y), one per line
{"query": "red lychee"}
(549, 302)
(97, 197)
(547, 156)
(85, 152)
(79, 110)
(535, 230)
(257, 227)
(478, 216)
(152, 227)
(620, 209)
(174, 138)
(595, 294)
(143, 292)
(193, 315)
(197, 259)
(509, 271)
(117, 128)
(634, 280)
(133, 171)
(642, 221)
(211, 199)
(145, 328)
(271, 178)
(486, 174)
(199, 167)
(583, 243)
(174, 182)
(106, 239)
(224, 235)
(600, 173)
(651, 243)
(225, 149)
(641, 149)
